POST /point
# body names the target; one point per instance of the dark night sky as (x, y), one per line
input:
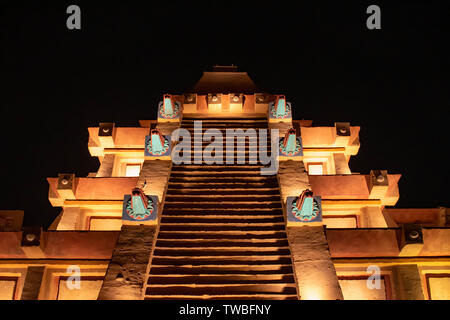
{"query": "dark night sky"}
(331, 67)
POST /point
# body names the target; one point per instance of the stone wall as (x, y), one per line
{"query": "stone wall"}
(313, 268)
(154, 177)
(292, 178)
(407, 283)
(33, 281)
(107, 165)
(128, 268)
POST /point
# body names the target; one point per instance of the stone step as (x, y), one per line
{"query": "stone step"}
(229, 234)
(225, 119)
(230, 212)
(222, 269)
(201, 139)
(221, 279)
(286, 288)
(222, 219)
(211, 184)
(223, 205)
(203, 143)
(212, 159)
(235, 174)
(217, 168)
(212, 124)
(195, 243)
(223, 297)
(230, 121)
(264, 179)
(222, 260)
(221, 198)
(234, 130)
(226, 126)
(220, 251)
(222, 227)
(237, 192)
(213, 151)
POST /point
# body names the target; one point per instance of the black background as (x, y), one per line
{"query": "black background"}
(58, 82)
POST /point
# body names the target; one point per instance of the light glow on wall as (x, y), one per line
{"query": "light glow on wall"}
(315, 169)
(132, 170)
(89, 290)
(439, 287)
(102, 224)
(340, 222)
(356, 289)
(7, 288)
(311, 294)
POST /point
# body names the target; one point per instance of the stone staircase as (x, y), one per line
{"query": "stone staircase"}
(222, 233)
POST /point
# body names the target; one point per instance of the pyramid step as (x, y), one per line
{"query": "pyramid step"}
(221, 185)
(240, 288)
(248, 133)
(200, 147)
(223, 205)
(198, 139)
(256, 173)
(249, 191)
(222, 212)
(248, 129)
(222, 260)
(222, 198)
(216, 168)
(230, 234)
(221, 279)
(221, 219)
(220, 251)
(236, 122)
(224, 297)
(264, 179)
(224, 124)
(222, 269)
(224, 129)
(221, 227)
(225, 119)
(195, 243)
(213, 160)
(236, 145)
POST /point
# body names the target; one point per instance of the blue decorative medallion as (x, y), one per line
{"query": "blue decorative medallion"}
(308, 211)
(156, 148)
(286, 150)
(280, 109)
(168, 108)
(139, 214)
(173, 115)
(280, 115)
(306, 208)
(139, 207)
(157, 145)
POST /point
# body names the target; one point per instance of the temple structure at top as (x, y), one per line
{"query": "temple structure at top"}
(216, 225)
